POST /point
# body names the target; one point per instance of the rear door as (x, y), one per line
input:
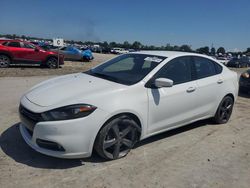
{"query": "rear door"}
(15, 49)
(208, 86)
(172, 106)
(31, 53)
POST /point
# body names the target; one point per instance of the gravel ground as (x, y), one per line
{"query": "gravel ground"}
(198, 155)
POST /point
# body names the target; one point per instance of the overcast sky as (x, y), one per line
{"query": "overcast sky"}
(194, 22)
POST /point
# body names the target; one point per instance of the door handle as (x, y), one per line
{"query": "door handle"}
(220, 81)
(191, 89)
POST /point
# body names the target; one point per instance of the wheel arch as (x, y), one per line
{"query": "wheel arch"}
(129, 114)
(50, 56)
(230, 95)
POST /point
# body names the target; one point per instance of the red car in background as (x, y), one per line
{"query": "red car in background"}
(22, 52)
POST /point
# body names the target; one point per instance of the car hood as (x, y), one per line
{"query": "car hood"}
(70, 89)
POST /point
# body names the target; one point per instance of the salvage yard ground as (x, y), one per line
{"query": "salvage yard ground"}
(199, 155)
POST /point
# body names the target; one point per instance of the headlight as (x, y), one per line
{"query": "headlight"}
(68, 112)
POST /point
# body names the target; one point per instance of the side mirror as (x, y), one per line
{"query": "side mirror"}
(36, 49)
(163, 82)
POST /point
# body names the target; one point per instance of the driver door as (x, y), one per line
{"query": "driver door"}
(172, 106)
(31, 53)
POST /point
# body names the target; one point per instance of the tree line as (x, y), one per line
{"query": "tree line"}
(135, 45)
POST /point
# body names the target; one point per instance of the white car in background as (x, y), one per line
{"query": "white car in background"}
(124, 100)
(119, 51)
(223, 60)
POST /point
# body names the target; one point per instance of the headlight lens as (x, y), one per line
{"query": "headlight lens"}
(68, 112)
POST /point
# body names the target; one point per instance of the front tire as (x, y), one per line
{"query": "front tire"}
(117, 138)
(51, 63)
(224, 110)
(4, 61)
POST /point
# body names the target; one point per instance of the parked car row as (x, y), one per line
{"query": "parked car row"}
(107, 50)
(14, 52)
(74, 54)
(22, 52)
(239, 62)
(70, 52)
(223, 60)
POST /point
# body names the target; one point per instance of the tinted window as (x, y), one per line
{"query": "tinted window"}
(14, 44)
(178, 70)
(27, 45)
(218, 68)
(4, 43)
(204, 67)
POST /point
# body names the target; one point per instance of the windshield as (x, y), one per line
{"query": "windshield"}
(127, 69)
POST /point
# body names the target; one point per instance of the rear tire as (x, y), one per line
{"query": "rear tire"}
(224, 110)
(52, 63)
(4, 61)
(117, 138)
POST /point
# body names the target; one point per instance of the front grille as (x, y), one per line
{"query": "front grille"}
(29, 118)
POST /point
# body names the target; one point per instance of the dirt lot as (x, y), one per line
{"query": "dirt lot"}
(198, 155)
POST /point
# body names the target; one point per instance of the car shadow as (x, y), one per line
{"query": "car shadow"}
(175, 132)
(13, 145)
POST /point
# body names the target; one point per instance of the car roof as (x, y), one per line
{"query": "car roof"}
(12, 40)
(169, 53)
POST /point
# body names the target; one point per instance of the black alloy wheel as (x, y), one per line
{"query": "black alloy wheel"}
(117, 138)
(224, 110)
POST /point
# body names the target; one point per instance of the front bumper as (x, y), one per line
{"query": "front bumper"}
(31, 141)
(76, 136)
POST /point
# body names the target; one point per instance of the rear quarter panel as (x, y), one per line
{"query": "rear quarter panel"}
(230, 83)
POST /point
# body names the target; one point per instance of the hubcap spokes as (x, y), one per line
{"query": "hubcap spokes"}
(52, 63)
(226, 109)
(119, 140)
(3, 61)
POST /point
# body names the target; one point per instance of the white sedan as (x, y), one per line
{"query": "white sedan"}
(129, 98)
